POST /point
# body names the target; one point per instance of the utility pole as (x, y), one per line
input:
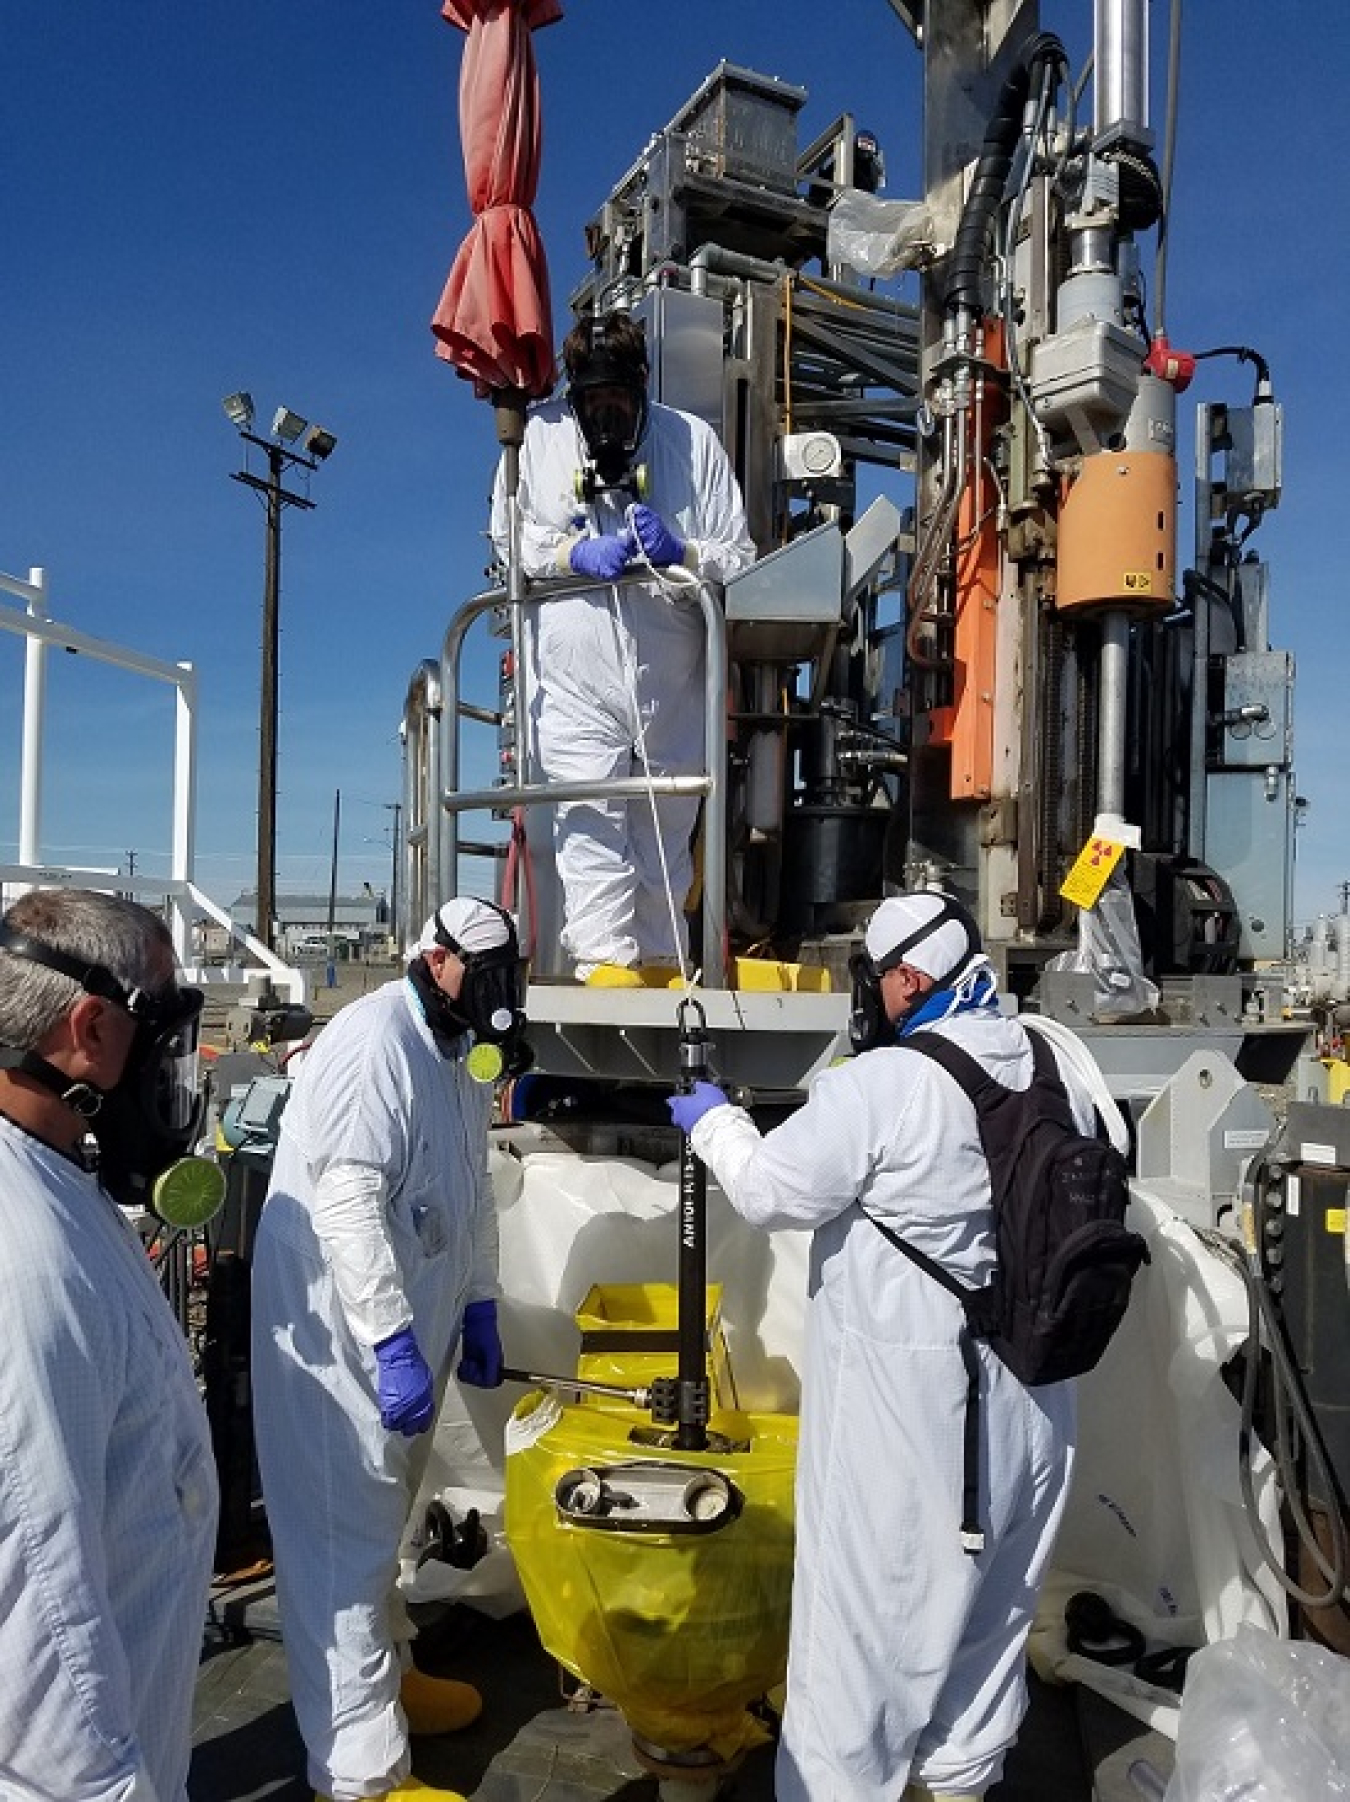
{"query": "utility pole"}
(396, 808)
(332, 877)
(286, 428)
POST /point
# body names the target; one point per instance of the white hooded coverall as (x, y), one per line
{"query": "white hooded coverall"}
(906, 1653)
(107, 1499)
(612, 664)
(374, 1093)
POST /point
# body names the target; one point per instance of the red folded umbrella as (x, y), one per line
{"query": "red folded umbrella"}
(494, 322)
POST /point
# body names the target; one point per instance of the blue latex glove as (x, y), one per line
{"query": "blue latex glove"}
(687, 1110)
(658, 542)
(481, 1346)
(600, 558)
(407, 1394)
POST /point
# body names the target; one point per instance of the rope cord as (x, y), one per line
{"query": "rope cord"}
(670, 583)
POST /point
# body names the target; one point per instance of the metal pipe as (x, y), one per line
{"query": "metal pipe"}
(1112, 677)
(1197, 811)
(34, 710)
(183, 853)
(541, 794)
(576, 1385)
(716, 259)
(453, 801)
(1120, 90)
(715, 810)
(421, 785)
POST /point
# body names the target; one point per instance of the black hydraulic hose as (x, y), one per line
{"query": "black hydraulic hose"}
(1294, 1424)
(971, 247)
(1244, 354)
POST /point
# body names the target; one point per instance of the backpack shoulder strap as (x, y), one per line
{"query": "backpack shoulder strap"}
(1046, 1063)
(929, 1266)
(967, 1072)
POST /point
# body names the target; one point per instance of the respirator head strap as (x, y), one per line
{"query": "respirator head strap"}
(94, 979)
(81, 1098)
(949, 910)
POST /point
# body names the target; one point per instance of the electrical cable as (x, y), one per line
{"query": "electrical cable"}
(1244, 354)
(1169, 159)
(1293, 1419)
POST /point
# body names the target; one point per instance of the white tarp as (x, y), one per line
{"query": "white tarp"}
(1155, 1523)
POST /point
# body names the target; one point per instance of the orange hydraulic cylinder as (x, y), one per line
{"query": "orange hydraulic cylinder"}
(1118, 533)
(967, 725)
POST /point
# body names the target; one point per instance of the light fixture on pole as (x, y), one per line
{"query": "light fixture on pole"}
(286, 429)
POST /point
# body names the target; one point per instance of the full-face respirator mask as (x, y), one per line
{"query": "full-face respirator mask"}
(490, 1005)
(146, 1124)
(869, 1025)
(608, 397)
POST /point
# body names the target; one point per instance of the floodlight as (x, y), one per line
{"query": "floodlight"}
(239, 409)
(287, 425)
(320, 443)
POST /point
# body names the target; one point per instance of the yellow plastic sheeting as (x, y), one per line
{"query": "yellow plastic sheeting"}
(629, 1334)
(1338, 1081)
(679, 1631)
(774, 976)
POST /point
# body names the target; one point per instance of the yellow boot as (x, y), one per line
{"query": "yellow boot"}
(613, 976)
(410, 1790)
(660, 976)
(438, 1704)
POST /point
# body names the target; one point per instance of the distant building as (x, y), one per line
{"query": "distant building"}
(359, 921)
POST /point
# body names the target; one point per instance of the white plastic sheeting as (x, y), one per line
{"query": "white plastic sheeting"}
(1155, 1522)
(569, 1221)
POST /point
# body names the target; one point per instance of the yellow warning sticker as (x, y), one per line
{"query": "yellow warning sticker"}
(1137, 581)
(1336, 1221)
(1094, 863)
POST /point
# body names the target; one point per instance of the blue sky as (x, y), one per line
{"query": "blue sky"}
(268, 195)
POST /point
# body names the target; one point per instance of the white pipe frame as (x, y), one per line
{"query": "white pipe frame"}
(186, 902)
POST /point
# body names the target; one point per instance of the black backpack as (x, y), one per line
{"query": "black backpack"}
(1065, 1259)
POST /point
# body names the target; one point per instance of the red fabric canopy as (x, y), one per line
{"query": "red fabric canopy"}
(495, 321)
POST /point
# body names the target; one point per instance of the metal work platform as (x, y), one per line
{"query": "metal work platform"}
(769, 1041)
(774, 1043)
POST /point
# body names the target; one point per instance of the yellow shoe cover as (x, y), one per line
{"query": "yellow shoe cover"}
(664, 976)
(410, 1790)
(613, 976)
(438, 1704)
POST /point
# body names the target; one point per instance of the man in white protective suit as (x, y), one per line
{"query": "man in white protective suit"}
(611, 482)
(107, 1486)
(376, 1256)
(905, 1667)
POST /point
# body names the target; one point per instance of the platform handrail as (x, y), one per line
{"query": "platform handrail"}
(454, 802)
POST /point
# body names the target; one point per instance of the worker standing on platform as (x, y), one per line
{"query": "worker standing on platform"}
(376, 1257)
(905, 1667)
(610, 481)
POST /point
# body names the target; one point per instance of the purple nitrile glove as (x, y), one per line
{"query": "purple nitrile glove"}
(480, 1346)
(601, 558)
(687, 1110)
(407, 1393)
(659, 543)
